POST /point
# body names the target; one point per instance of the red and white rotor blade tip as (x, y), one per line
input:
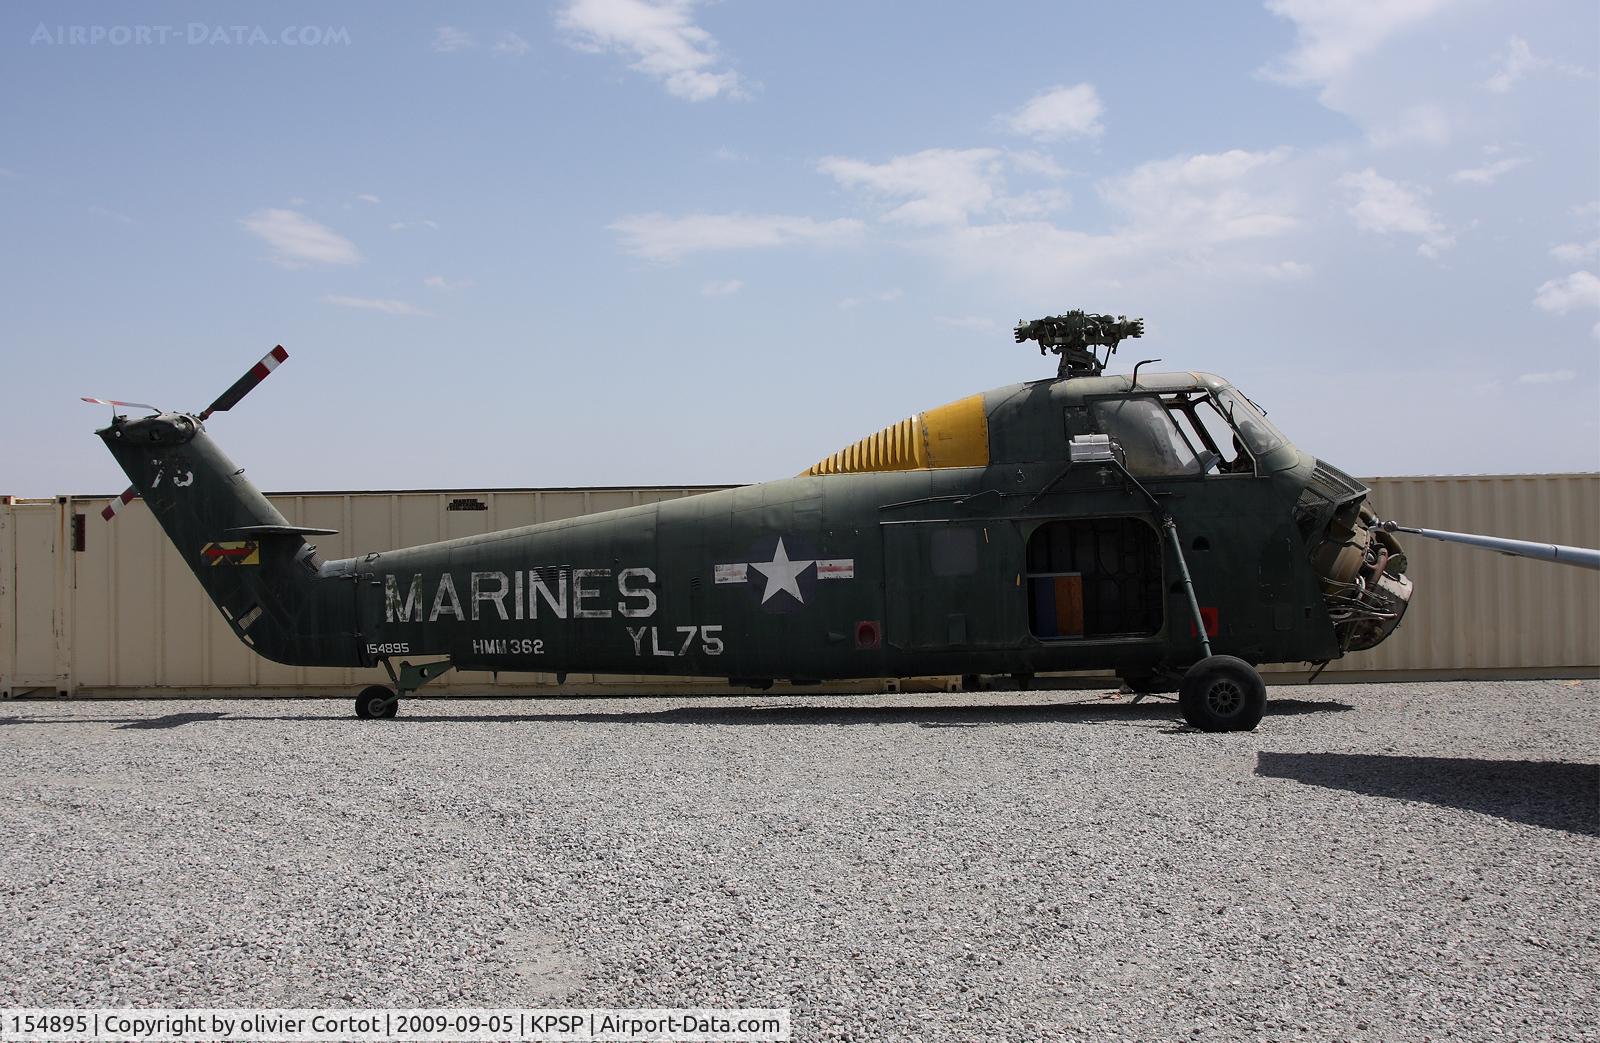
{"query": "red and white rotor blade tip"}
(128, 496)
(247, 383)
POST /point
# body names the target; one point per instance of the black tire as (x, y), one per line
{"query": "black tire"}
(1222, 694)
(376, 703)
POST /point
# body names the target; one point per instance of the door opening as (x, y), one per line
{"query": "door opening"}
(1094, 578)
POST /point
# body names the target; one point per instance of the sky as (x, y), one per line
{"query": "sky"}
(618, 242)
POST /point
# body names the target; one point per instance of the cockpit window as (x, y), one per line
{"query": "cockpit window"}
(1147, 434)
(1259, 433)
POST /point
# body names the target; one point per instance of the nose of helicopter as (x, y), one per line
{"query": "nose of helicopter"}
(1363, 568)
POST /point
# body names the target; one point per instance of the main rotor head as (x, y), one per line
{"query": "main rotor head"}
(1075, 335)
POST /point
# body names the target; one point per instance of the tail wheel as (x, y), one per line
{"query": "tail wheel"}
(1222, 694)
(377, 703)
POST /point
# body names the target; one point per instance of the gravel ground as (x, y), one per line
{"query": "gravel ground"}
(1375, 862)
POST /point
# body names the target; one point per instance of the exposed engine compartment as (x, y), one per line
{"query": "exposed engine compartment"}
(1364, 585)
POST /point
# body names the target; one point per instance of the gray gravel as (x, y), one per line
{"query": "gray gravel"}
(1375, 862)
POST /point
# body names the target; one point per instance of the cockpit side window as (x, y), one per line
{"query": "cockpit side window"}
(1259, 433)
(1219, 436)
(1151, 440)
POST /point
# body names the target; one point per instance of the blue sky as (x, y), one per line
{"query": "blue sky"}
(618, 242)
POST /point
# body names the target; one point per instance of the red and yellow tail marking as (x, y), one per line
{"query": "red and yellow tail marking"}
(232, 552)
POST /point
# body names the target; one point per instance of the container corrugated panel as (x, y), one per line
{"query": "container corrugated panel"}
(126, 614)
(1475, 610)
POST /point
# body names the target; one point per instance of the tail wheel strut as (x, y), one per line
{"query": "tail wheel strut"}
(378, 702)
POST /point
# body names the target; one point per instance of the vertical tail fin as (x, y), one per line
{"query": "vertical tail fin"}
(257, 567)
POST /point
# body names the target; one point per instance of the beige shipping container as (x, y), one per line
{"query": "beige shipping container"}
(125, 616)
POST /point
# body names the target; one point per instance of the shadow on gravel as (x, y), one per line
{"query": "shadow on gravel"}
(1082, 711)
(1550, 794)
(172, 720)
(1096, 711)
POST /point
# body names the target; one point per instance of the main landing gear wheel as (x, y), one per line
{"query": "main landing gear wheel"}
(1222, 694)
(377, 703)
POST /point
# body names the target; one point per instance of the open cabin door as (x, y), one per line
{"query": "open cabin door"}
(952, 585)
(1094, 579)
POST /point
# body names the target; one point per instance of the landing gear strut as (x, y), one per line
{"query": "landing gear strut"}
(379, 703)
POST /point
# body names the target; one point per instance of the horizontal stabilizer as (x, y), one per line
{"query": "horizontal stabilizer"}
(280, 530)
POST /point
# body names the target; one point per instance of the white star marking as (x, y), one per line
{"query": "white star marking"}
(781, 573)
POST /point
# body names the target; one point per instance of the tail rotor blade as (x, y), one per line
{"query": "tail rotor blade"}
(128, 496)
(245, 384)
(118, 402)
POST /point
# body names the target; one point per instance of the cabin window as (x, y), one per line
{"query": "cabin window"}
(1149, 437)
(1094, 578)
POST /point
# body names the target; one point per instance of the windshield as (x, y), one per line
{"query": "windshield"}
(1146, 433)
(1259, 433)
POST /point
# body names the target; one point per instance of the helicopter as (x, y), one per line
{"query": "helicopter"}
(1155, 525)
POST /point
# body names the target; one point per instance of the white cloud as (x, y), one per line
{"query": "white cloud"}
(662, 38)
(388, 307)
(659, 237)
(1555, 376)
(298, 240)
(447, 38)
(722, 289)
(1489, 173)
(730, 155)
(110, 215)
(439, 282)
(1287, 271)
(1332, 36)
(1420, 124)
(1204, 198)
(511, 44)
(975, 323)
(1518, 60)
(1058, 114)
(1559, 296)
(1209, 214)
(881, 297)
(1576, 253)
(947, 186)
(8, 172)
(939, 186)
(368, 197)
(1384, 207)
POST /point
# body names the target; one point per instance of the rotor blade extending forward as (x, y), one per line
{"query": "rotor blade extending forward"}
(245, 384)
(1583, 557)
